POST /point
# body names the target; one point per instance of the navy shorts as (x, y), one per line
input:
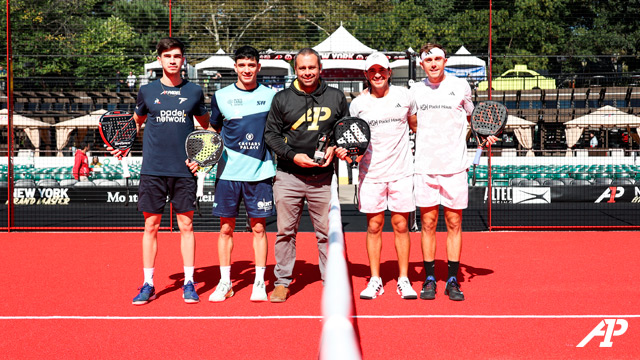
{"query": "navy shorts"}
(257, 195)
(153, 192)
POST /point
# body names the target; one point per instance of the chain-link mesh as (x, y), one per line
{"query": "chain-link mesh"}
(554, 64)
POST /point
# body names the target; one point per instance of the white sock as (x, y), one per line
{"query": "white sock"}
(225, 273)
(188, 274)
(148, 275)
(260, 273)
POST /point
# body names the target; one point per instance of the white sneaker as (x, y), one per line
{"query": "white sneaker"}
(259, 292)
(405, 290)
(374, 288)
(222, 292)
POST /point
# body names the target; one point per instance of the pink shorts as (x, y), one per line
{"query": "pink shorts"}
(396, 196)
(451, 191)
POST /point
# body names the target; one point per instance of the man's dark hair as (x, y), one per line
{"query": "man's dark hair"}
(167, 43)
(305, 52)
(247, 52)
(85, 145)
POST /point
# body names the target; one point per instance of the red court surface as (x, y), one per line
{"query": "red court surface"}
(530, 295)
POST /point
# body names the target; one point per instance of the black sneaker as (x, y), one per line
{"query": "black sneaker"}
(428, 289)
(453, 290)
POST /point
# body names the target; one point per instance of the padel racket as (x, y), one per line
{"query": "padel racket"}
(205, 148)
(488, 119)
(352, 134)
(118, 130)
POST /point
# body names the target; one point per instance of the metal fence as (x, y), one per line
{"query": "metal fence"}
(68, 61)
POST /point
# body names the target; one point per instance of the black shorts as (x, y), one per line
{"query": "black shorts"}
(154, 190)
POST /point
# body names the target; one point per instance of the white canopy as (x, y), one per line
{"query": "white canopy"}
(606, 116)
(219, 61)
(82, 123)
(341, 41)
(30, 126)
(466, 66)
(275, 68)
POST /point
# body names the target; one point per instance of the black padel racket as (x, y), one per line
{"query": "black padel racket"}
(205, 148)
(488, 119)
(118, 130)
(352, 134)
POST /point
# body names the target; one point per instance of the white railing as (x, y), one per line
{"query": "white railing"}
(338, 336)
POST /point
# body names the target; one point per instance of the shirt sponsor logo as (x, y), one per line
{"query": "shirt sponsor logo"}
(262, 102)
(183, 100)
(373, 123)
(171, 92)
(175, 116)
(235, 102)
(265, 205)
(156, 101)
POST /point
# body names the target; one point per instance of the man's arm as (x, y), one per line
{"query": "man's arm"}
(203, 120)
(273, 135)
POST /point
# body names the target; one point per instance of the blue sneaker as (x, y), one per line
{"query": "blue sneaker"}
(147, 293)
(189, 293)
(453, 290)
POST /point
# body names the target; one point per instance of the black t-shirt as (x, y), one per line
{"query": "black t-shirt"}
(170, 112)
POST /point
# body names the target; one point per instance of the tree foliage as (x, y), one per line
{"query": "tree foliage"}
(91, 38)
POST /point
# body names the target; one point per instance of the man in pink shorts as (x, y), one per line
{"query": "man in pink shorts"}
(443, 104)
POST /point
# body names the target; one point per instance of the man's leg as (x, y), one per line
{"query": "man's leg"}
(288, 193)
(375, 222)
(260, 249)
(149, 253)
(188, 249)
(150, 239)
(225, 241)
(429, 221)
(187, 239)
(225, 247)
(399, 222)
(453, 219)
(318, 199)
(260, 244)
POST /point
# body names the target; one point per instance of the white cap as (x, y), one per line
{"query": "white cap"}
(377, 58)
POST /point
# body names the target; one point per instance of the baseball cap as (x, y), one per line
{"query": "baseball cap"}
(377, 58)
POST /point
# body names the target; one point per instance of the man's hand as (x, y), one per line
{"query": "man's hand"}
(328, 156)
(193, 166)
(341, 153)
(115, 152)
(303, 160)
(491, 140)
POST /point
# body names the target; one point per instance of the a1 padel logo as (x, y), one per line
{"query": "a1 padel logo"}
(608, 333)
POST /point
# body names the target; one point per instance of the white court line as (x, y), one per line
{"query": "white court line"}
(63, 317)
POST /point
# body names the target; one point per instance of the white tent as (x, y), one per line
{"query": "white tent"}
(341, 41)
(30, 126)
(82, 123)
(606, 117)
(216, 62)
(344, 49)
(463, 65)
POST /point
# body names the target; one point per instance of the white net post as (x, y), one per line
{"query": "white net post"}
(338, 336)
